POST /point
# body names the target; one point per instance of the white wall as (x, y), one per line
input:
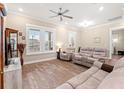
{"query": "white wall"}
(101, 31)
(19, 22)
(85, 37)
(119, 35)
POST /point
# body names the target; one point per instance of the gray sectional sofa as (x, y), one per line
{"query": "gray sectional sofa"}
(98, 78)
(87, 56)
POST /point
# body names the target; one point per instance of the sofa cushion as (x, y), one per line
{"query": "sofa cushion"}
(99, 52)
(98, 64)
(65, 86)
(78, 57)
(94, 80)
(91, 83)
(114, 80)
(63, 55)
(100, 75)
(81, 78)
(91, 60)
(86, 52)
(107, 67)
(89, 79)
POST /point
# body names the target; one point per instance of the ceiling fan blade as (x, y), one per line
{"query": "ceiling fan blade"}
(53, 11)
(67, 16)
(61, 18)
(53, 16)
(65, 11)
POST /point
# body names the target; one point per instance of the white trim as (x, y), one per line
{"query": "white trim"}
(53, 30)
(38, 53)
(35, 18)
(110, 44)
(38, 26)
(104, 24)
(110, 38)
(37, 61)
(54, 24)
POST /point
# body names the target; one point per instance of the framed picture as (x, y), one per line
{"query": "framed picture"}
(97, 39)
(20, 33)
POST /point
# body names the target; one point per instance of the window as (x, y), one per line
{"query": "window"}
(39, 40)
(72, 39)
(48, 41)
(33, 40)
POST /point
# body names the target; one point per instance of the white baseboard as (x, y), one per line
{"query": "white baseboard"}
(36, 61)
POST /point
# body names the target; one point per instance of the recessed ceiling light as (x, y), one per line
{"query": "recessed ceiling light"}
(101, 8)
(123, 9)
(86, 23)
(20, 9)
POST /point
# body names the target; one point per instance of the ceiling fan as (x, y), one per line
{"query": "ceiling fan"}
(61, 14)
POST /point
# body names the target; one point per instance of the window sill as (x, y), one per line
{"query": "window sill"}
(39, 53)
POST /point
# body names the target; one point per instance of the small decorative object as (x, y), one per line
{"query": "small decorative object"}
(114, 51)
(23, 37)
(20, 33)
(21, 48)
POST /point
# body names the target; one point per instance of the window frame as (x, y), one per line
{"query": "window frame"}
(41, 28)
(50, 41)
(75, 38)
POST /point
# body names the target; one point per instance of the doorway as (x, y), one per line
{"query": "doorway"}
(117, 42)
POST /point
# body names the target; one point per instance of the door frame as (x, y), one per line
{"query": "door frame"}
(110, 38)
(2, 56)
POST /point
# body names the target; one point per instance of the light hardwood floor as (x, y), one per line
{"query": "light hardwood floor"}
(49, 74)
(114, 59)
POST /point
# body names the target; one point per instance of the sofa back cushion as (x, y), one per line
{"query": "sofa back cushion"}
(115, 80)
(86, 52)
(99, 52)
(70, 50)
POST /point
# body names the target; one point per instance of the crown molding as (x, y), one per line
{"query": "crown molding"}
(104, 24)
(31, 17)
(54, 25)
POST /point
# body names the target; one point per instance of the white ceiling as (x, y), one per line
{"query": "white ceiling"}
(79, 11)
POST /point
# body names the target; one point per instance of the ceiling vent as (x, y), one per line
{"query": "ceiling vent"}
(115, 18)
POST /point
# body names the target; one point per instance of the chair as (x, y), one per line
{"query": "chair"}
(67, 54)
